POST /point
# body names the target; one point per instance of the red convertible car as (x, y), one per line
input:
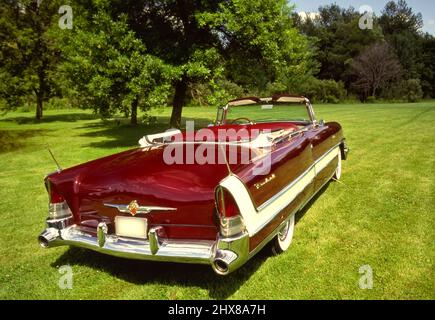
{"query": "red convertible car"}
(213, 196)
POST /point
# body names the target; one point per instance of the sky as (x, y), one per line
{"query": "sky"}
(425, 7)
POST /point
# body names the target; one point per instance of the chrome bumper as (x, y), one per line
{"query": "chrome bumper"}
(224, 254)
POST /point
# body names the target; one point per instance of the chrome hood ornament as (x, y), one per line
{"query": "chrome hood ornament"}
(134, 208)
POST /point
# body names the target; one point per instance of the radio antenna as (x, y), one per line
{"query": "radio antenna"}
(59, 169)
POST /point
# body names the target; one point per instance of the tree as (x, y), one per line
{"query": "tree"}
(428, 61)
(397, 17)
(338, 39)
(402, 30)
(28, 54)
(375, 68)
(208, 40)
(110, 67)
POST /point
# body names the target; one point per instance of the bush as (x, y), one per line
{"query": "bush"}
(57, 103)
(408, 90)
(412, 90)
(370, 99)
(328, 91)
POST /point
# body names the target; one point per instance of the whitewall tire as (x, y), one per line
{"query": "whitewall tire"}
(284, 237)
(337, 173)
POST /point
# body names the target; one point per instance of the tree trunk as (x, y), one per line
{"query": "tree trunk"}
(42, 90)
(39, 100)
(178, 102)
(133, 119)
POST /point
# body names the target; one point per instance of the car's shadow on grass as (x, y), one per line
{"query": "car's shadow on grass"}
(165, 273)
(307, 207)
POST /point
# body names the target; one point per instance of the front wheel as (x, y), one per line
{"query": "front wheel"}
(337, 173)
(284, 237)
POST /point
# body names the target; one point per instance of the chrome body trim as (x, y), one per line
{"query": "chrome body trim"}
(101, 234)
(230, 253)
(291, 184)
(125, 208)
(277, 230)
(225, 254)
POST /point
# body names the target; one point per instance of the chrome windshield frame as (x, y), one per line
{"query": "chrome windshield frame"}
(222, 112)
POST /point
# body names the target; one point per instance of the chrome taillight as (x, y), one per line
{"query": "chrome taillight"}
(59, 210)
(231, 222)
(57, 206)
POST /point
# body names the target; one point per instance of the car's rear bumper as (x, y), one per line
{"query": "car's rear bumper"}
(223, 254)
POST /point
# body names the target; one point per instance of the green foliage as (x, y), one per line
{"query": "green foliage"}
(122, 55)
(412, 90)
(337, 39)
(28, 54)
(398, 17)
(428, 61)
(401, 27)
(263, 31)
(328, 91)
(110, 68)
(215, 93)
(371, 99)
(408, 90)
(249, 43)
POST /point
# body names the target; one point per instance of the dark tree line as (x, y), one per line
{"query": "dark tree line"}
(130, 55)
(389, 60)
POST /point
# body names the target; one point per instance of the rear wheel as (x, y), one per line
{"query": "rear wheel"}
(284, 237)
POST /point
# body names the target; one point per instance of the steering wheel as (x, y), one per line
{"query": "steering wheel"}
(242, 118)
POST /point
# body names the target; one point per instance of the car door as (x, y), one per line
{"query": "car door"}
(289, 161)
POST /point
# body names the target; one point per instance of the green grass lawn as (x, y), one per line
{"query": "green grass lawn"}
(382, 215)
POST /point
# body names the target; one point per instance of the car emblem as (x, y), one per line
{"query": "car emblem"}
(134, 208)
(265, 181)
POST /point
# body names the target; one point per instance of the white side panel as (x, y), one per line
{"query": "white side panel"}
(323, 162)
(256, 220)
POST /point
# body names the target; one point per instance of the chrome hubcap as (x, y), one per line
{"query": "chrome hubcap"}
(282, 234)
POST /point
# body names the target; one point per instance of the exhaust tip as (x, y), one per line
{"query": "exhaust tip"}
(221, 267)
(43, 242)
(224, 262)
(46, 238)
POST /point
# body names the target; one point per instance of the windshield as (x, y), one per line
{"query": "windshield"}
(268, 112)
